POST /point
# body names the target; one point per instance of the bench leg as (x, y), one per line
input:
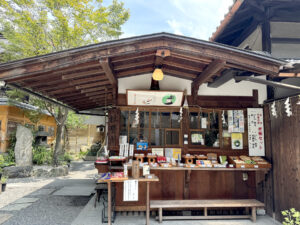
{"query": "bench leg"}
(253, 218)
(205, 211)
(160, 215)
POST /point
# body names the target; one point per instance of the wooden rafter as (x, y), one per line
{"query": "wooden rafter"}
(213, 68)
(83, 74)
(108, 70)
(87, 80)
(94, 84)
(89, 90)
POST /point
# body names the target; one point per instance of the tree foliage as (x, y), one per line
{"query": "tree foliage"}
(37, 27)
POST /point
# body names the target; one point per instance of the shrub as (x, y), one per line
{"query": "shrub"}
(41, 155)
(291, 217)
(4, 179)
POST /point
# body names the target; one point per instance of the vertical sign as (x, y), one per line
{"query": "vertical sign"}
(256, 139)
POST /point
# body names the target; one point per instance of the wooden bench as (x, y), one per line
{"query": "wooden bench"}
(205, 204)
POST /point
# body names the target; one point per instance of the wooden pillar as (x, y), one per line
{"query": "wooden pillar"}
(185, 129)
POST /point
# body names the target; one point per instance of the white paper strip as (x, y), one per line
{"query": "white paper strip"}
(256, 139)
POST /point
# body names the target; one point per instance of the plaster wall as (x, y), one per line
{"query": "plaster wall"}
(170, 83)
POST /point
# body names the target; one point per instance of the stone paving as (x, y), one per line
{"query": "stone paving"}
(50, 201)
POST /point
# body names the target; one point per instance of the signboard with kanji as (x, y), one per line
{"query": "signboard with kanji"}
(256, 139)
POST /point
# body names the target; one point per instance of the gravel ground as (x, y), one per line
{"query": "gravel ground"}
(49, 209)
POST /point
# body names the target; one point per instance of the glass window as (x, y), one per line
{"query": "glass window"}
(144, 135)
(172, 137)
(132, 120)
(144, 119)
(211, 138)
(194, 120)
(133, 136)
(175, 123)
(157, 137)
(214, 120)
(165, 120)
(155, 119)
(197, 138)
(124, 118)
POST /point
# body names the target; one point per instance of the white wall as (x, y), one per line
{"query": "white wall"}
(143, 82)
(230, 88)
(254, 40)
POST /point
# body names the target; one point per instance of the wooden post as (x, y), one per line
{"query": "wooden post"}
(109, 202)
(160, 214)
(148, 203)
(186, 191)
(253, 218)
(205, 211)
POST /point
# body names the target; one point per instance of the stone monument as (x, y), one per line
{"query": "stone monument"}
(23, 148)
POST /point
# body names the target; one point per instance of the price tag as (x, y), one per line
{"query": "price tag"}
(255, 166)
(230, 166)
(242, 166)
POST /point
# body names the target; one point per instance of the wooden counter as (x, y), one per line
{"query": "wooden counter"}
(177, 183)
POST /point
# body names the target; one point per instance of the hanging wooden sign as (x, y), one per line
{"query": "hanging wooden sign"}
(154, 98)
(256, 139)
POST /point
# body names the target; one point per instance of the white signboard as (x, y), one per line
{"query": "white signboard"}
(131, 190)
(256, 139)
(154, 98)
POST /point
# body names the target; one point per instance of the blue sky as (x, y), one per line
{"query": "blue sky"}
(193, 18)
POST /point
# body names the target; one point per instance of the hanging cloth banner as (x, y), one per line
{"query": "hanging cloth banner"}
(256, 139)
(131, 190)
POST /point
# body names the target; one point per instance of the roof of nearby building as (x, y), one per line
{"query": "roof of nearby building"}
(246, 14)
(7, 101)
(86, 77)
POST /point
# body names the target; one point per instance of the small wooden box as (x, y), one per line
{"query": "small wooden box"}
(151, 158)
(189, 159)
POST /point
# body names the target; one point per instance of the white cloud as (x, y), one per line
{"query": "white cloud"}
(197, 18)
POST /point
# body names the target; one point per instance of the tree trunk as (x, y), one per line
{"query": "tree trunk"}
(60, 121)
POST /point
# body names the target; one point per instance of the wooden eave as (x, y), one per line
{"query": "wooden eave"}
(87, 77)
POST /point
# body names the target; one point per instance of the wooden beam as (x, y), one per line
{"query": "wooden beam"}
(226, 76)
(180, 74)
(109, 91)
(108, 70)
(133, 65)
(89, 90)
(128, 57)
(160, 55)
(213, 68)
(128, 73)
(90, 79)
(183, 66)
(94, 84)
(70, 89)
(289, 74)
(52, 87)
(83, 74)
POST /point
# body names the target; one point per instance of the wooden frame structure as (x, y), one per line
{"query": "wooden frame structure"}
(87, 77)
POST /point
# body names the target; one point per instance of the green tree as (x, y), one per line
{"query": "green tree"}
(37, 27)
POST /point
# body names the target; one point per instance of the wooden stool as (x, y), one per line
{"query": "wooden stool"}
(189, 159)
(151, 159)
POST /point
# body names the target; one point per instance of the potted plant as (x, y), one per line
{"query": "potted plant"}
(3, 182)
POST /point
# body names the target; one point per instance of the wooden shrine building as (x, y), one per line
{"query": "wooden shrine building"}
(105, 78)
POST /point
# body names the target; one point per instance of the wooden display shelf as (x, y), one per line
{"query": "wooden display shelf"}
(198, 168)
